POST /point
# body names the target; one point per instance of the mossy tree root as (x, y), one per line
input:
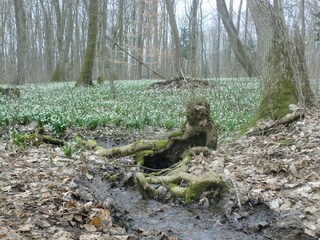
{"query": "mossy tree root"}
(142, 145)
(192, 189)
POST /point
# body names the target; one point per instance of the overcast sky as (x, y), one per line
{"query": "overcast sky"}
(209, 5)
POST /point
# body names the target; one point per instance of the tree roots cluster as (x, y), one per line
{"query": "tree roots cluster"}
(169, 158)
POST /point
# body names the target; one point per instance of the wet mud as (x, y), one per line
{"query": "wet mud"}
(150, 219)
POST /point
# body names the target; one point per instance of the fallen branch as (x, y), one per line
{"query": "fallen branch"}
(289, 118)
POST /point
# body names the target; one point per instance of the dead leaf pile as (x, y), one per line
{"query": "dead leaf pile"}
(280, 169)
(39, 200)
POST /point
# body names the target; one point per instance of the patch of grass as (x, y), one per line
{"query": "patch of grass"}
(69, 149)
(58, 106)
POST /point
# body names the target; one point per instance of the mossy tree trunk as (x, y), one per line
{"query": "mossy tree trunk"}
(85, 78)
(283, 63)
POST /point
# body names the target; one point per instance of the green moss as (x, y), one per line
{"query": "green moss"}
(56, 75)
(146, 190)
(285, 142)
(160, 144)
(101, 150)
(90, 144)
(100, 80)
(24, 140)
(195, 190)
(139, 157)
(176, 190)
(85, 77)
(176, 134)
(112, 178)
(275, 104)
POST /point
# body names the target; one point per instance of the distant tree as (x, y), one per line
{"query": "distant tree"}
(193, 38)
(185, 42)
(235, 42)
(284, 68)
(179, 69)
(21, 30)
(85, 78)
(64, 35)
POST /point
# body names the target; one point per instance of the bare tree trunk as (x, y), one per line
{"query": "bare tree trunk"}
(21, 29)
(140, 39)
(176, 38)
(155, 39)
(302, 20)
(238, 48)
(64, 36)
(48, 38)
(229, 47)
(105, 69)
(217, 50)
(193, 38)
(85, 78)
(285, 77)
(239, 16)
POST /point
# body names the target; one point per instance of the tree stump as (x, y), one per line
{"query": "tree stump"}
(198, 134)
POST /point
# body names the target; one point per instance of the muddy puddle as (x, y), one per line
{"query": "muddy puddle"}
(150, 219)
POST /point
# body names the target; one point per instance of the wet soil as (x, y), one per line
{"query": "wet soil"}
(150, 219)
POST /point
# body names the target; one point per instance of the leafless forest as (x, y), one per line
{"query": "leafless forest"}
(45, 40)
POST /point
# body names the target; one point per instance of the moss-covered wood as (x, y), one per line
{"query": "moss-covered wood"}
(36, 139)
(139, 146)
(283, 64)
(172, 155)
(85, 78)
(10, 92)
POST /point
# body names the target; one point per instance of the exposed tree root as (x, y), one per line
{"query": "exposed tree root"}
(36, 139)
(173, 155)
(133, 148)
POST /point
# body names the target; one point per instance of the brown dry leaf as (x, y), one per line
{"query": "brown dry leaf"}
(96, 221)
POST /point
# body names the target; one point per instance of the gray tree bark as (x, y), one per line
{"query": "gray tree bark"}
(21, 29)
(237, 47)
(193, 38)
(85, 77)
(284, 67)
(179, 69)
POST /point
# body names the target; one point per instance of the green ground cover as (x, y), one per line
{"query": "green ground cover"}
(60, 105)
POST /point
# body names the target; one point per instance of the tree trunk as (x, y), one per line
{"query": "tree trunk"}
(193, 38)
(85, 78)
(20, 18)
(140, 38)
(284, 69)
(48, 39)
(64, 35)
(237, 47)
(179, 70)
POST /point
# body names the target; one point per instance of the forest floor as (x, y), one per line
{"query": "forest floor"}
(274, 190)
